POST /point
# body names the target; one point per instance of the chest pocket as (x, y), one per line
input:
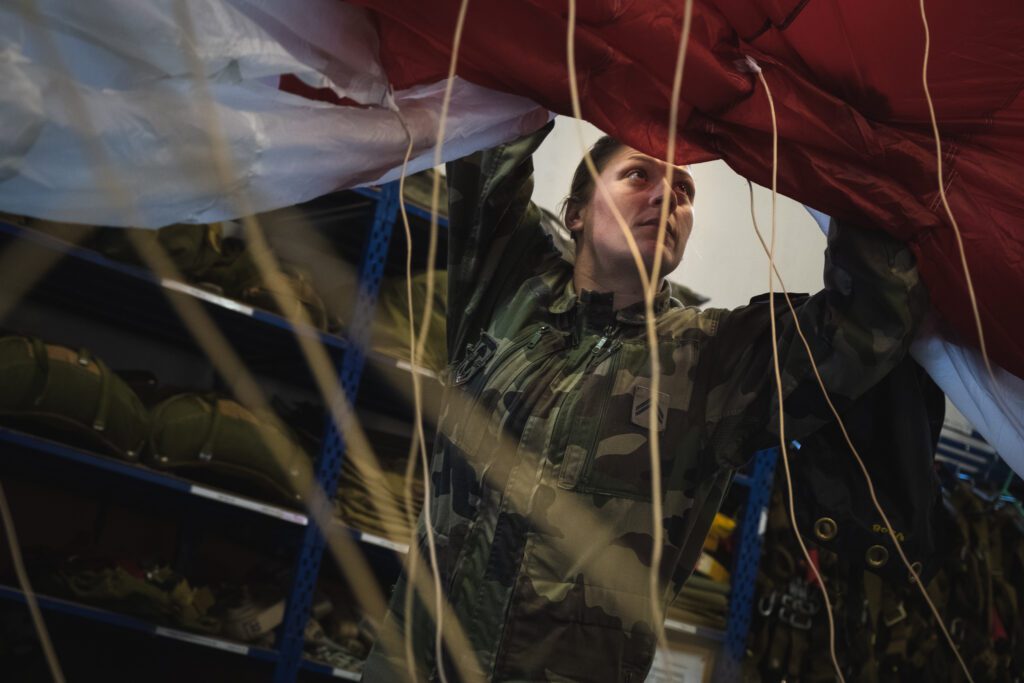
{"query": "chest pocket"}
(608, 445)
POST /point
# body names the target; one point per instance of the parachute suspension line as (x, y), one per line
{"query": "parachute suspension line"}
(318, 361)
(455, 635)
(648, 286)
(853, 449)
(24, 583)
(599, 184)
(26, 588)
(996, 391)
(650, 291)
(945, 200)
(778, 378)
(428, 306)
(416, 446)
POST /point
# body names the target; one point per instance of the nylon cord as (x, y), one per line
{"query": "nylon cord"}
(997, 390)
(649, 283)
(417, 446)
(435, 198)
(414, 444)
(652, 341)
(651, 333)
(26, 588)
(315, 355)
(326, 379)
(949, 211)
(915, 578)
(778, 382)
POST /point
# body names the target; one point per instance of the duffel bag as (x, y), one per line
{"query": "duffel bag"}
(69, 395)
(218, 437)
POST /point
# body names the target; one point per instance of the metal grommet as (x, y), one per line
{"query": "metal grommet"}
(916, 567)
(877, 556)
(826, 529)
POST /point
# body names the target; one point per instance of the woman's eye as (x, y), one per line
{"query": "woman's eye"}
(685, 189)
(636, 173)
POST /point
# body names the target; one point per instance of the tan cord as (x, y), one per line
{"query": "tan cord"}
(343, 549)
(945, 201)
(652, 341)
(997, 391)
(12, 292)
(421, 342)
(648, 283)
(26, 588)
(359, 449)
(778, 384)
(415, 445)
(853, 449)
(871, 489)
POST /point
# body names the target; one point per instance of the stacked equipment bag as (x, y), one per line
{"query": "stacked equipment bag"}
(71, 396)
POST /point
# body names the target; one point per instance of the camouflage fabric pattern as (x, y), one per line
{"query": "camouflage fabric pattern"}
(541, 476)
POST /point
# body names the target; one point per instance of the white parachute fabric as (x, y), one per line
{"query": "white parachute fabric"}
(961, 373)
(142, 154)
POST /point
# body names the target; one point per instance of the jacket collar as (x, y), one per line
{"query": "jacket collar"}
(599, 304)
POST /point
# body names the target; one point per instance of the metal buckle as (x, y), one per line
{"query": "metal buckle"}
(795, 619)
(766, 604)
(900, 615)
(956, 629)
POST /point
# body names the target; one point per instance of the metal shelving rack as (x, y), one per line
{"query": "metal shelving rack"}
(145, 307)
(349, 354)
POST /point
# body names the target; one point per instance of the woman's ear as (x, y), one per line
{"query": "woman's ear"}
(574, 219)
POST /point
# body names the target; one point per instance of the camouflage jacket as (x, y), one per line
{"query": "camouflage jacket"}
(541, 477)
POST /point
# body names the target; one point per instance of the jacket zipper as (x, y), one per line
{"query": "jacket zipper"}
(536, 337)
(596, 355)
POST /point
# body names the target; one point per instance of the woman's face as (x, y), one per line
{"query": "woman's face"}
(636, 184)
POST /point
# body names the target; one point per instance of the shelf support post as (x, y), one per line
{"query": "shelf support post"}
(328, 469)
(741, 599)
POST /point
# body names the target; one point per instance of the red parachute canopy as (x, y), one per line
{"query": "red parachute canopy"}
(855, 134)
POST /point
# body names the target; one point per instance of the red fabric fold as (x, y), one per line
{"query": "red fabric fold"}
(855, 135)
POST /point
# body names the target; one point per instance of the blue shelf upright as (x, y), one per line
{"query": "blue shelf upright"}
(291, 632)
(741, 599)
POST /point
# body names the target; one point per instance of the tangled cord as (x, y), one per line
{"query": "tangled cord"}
(650, 283)
(871, 489)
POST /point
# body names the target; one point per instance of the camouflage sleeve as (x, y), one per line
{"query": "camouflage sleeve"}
(495, 241)
(859, 327)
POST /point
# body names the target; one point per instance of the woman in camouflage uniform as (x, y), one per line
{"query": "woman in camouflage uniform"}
(541, 486)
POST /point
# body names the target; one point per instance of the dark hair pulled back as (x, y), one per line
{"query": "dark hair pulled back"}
(581, 191)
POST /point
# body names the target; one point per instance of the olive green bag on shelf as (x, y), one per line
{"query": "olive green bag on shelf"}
(69, 395)
(222, 439)
(196, 250)
(208, 259)
(294, 292)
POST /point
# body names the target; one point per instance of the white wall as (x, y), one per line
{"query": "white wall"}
(723, 259)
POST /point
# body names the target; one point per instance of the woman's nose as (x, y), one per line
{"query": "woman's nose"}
(657, 196)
